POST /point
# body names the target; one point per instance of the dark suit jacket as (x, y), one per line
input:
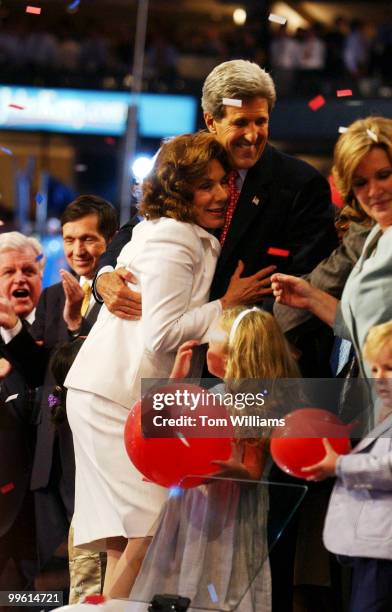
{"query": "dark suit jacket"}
(284, 203)
(16, 447)
(32, 361)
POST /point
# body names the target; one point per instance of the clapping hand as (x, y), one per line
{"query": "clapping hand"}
(5, 368)
(8, 316)
(74, 297)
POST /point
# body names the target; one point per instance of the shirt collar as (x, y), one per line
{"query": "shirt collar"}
(30, 317)
(206, 235)
(242, 175)
(83, 280)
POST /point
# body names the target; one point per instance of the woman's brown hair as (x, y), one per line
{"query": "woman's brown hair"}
(181, 162)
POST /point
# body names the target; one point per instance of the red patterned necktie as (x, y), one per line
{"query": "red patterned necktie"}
(232, 203)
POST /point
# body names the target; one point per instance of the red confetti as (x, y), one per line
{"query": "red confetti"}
(342, 93)
(316, 103)
(17, 106)
(110, 141)
(7, 488)
(278, 252)
(34, 10)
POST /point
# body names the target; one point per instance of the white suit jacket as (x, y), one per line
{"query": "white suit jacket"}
(359, 517)
(174, 263)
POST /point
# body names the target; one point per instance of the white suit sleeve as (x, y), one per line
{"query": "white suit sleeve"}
(168, 265)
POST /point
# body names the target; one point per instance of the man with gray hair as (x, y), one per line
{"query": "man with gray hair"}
(22, 262)
(279, 211)
(21, 267)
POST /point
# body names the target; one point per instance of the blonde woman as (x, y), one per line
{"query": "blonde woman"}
(363, 174)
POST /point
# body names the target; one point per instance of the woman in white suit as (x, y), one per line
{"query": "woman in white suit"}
(173, 256)
(363, 174)
(358, 524)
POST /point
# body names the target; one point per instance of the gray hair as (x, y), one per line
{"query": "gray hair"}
(236, 79)
(15, 241)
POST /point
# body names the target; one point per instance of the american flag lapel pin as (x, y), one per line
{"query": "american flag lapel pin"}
(255, 200)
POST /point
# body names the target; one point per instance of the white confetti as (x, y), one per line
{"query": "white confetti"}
(183, 439)
(372, 135)
(232, 102)
(11, 397)
(342, 129)
(277, 18)
(80, 167)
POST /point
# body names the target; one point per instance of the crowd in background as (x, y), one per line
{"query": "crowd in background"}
(358, 53)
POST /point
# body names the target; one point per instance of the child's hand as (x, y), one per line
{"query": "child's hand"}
(232, 469)
(325, 468)
(182, 362)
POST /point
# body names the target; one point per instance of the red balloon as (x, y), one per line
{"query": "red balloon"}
(298, 443)
(167, 461)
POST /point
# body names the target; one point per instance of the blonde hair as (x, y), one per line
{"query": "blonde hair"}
(258, 348)
(377, 339)
(361, 137)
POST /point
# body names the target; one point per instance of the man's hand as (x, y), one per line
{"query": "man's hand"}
(119, 299)
(8, 317)
(183, 359)
(324, 468)
(247, 289)
(5, 368)
(74, 296)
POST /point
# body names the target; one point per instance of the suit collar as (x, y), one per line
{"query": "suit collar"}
(93, 313)
(264, 170)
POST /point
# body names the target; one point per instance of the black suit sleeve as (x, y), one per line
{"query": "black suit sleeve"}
(109, 257)
(123, 236)
(311, 227)
(29, 358)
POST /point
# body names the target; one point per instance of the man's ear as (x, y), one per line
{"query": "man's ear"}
(210, 122)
